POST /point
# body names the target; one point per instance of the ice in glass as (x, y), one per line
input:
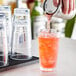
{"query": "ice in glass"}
(48, 49)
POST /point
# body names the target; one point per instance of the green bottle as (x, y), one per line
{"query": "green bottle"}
(37, 12)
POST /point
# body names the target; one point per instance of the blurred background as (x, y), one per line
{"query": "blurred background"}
(66, 28)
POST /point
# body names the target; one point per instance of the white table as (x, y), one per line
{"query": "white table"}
(66, 65)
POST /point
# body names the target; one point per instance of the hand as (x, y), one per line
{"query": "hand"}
(67, 5)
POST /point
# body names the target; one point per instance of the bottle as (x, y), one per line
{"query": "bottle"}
(59, 25)
(39, 24)
(36, 16)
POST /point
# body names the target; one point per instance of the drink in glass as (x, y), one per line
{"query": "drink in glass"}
(48, 49)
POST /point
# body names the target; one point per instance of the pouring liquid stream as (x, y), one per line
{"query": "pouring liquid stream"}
(48, 22)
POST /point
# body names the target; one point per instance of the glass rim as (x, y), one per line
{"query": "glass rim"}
(48, 32)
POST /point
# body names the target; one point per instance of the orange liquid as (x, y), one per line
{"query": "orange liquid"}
(48, 49)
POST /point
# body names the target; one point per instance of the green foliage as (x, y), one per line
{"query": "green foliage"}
(69, 27)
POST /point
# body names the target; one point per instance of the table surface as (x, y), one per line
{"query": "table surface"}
(66, 65)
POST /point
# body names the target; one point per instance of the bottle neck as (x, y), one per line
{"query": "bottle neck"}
(37, 3)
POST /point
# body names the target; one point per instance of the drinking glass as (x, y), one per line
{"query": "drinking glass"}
(20, 48)
(21, 36)
(3, 42)
(48, 49)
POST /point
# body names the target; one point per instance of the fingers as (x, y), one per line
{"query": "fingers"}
(73, 4)
(68, 6)
(55, 2)
(65, 6)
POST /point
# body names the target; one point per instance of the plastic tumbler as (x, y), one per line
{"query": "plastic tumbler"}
(3, 41)
(21, 37)
(48, 49)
